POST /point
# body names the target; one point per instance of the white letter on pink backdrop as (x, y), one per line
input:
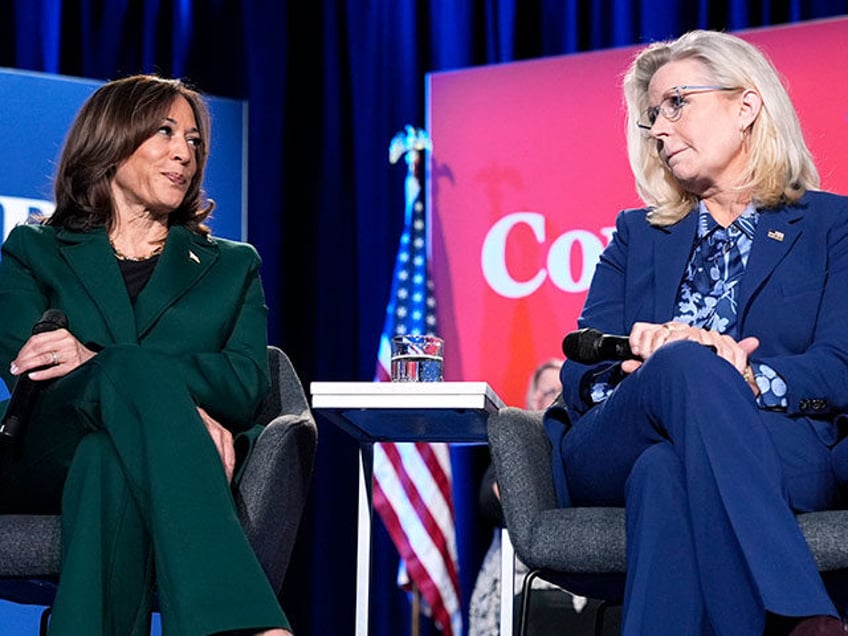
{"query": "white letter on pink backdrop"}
(559, 260)
(493, 256)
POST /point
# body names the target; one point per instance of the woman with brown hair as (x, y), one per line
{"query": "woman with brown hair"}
(162, 362)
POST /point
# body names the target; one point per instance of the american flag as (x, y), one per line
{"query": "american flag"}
(412, 482)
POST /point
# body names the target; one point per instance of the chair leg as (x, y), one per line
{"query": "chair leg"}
(526, 589)
(45, 621)
(599, 618)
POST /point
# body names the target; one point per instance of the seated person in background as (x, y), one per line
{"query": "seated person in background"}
(484, 612)
(544, 385)
(163, 361)
(732, 286)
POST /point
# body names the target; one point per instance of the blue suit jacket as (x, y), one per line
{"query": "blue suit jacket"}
(794, 298)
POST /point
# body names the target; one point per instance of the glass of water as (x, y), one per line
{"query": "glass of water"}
(417, 358)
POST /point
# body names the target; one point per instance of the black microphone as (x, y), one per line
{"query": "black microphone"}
(589, 346)
(26, 390)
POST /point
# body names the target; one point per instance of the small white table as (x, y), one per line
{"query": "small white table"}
(405, 412)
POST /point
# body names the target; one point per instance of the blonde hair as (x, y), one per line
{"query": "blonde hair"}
(779, 166)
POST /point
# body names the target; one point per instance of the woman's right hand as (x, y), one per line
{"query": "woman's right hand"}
(55, 353)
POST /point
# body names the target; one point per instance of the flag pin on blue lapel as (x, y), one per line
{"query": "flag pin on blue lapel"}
(776, 235)
(193, 256)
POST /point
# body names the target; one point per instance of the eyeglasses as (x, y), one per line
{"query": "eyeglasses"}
(673, 103)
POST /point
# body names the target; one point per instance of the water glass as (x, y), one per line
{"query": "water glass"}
(417, 358)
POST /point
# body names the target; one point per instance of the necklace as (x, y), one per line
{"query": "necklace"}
(123, 257)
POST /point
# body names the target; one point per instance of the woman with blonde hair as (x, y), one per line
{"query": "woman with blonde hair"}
(732, 286)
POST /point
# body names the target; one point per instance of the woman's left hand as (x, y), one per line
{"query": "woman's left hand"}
(54, 353)
(223, 440)
(645, 338)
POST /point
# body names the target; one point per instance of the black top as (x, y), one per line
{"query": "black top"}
(136, 274)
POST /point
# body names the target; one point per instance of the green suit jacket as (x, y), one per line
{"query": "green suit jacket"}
(203, 306)
(144, 471)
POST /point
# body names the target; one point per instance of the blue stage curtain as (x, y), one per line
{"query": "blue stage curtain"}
(329, 83)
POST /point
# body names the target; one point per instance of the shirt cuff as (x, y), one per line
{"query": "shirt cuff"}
(772, 387)
(604, 383)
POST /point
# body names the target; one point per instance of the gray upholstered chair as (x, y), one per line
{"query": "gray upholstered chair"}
(583, 549)
(270, 499)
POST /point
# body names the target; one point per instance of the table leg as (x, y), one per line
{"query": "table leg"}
(363, 540)
(507, 583)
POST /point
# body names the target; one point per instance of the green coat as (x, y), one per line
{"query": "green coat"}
(203, 307)
(119, 440)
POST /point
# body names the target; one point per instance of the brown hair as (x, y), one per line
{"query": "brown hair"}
(110, 126)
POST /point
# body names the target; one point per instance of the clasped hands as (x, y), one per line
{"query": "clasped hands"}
(645, 338)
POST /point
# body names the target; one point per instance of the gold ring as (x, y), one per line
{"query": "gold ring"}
(55, 358)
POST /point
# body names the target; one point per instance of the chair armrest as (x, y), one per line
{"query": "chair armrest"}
(521, 454)
(826, 532)
(30, 545)
(571, 540)
(272, 493)
(286, 394)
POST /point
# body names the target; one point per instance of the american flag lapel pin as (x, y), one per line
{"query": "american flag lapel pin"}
(193, 256)
(776, 235)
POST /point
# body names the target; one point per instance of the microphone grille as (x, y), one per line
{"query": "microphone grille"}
(582, 345)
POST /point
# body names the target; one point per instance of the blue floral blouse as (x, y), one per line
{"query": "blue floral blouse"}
(708, 294)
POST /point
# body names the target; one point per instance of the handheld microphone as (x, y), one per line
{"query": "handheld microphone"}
(589, 346)
(26, 390)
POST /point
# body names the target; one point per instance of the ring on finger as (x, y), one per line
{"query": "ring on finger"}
(55, 358)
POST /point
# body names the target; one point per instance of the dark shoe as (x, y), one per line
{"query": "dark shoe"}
(819, 626)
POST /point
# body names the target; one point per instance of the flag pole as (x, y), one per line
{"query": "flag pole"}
(411, 143)
(412, 482)
(416, 610)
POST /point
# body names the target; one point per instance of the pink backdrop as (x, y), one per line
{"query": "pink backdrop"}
(528, 171)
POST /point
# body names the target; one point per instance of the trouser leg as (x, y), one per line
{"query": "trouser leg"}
(101, 524)
(208, 577)
(663, 595)
(750, 553)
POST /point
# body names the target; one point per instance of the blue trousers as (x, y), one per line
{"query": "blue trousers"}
(710, 482)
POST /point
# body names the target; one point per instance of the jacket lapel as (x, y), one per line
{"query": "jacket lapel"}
(185, 259)
(90, 258)
(777, 231)
(672, 247)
